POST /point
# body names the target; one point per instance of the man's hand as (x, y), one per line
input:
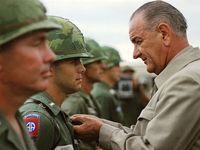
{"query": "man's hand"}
(86, 127)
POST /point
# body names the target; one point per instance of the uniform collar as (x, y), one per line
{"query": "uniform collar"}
(83, 94)
(183, 58)
(48, 101)
(103, 85)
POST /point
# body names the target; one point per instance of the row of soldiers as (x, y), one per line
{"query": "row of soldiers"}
(54, 87)
(35, 81)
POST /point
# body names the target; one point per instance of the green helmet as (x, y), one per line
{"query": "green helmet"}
(95, 50)
(127, 68)
(67, 42)
(18, 17)
(113, 57)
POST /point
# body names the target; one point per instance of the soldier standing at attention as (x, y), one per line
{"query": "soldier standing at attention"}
(103, 91)
(48, 126)
(171, 119)
(132, 95)
(24, 65)
(82, 102)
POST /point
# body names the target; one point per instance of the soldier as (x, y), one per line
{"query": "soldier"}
(48, 126)
(103, 91)
(24, 65)
(82, 102)
(131, 94)
(171, 119)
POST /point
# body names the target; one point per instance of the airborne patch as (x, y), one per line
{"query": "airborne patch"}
(32, 124)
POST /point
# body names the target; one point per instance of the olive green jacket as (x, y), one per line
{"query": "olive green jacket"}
(49, 127)
(110, 106)
(171, 120)
(81, 103)
(9, 140)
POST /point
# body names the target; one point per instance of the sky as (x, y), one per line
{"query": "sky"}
(107, 21)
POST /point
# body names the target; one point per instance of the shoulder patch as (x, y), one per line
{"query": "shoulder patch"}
(32, 122)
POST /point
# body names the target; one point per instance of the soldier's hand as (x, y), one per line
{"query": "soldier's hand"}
(88, 126)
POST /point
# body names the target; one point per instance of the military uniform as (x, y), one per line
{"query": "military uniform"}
(170, 121)
(49, 127)
(110, 107)
(131, 108)
(19, 17)
(9, 140)
(81, 103)
(129, 98)
(43, 119)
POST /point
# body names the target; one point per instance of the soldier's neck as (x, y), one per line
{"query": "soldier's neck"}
(57, 95)
(108, 81)
(87, 86)
(15, 125)
(11, 99)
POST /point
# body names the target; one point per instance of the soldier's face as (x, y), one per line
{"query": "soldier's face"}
(25, 62)
(94, 71)
(114, 73)
(68, 75)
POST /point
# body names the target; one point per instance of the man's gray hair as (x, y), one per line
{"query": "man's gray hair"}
(159, 11)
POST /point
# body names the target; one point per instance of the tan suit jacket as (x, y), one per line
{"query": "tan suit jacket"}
(171, 120)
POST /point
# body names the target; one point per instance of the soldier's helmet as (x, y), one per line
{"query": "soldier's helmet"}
(112, 55)
(18, 17)
(127, 68)
(67, 42)
(95, 50)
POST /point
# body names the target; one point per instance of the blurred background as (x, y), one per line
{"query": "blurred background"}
(107, 21)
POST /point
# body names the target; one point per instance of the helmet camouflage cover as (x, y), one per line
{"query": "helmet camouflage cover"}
(113, 57)
(67, 42)
(95, 50)
(18, 17)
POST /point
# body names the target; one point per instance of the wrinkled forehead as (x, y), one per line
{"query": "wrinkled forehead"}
(137, 22)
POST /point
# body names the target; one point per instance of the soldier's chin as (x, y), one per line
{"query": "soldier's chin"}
(35, 89)
(79, 87)
(74, 90)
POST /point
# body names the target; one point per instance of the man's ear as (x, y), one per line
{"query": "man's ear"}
(165, 31)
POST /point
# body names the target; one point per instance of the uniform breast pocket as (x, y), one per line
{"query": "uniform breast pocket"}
(65, 147)
(146, 115)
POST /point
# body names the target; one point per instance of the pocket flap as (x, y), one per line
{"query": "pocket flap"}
(147, 113)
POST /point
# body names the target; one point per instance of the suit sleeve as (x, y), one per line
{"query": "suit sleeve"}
(173, 124)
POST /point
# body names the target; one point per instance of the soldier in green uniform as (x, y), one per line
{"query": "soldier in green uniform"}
(48, 126)
(104, 92)
(82, 102)
(24, 64)
(131, 94)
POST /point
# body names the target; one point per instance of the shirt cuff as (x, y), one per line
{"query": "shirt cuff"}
(105, 135)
